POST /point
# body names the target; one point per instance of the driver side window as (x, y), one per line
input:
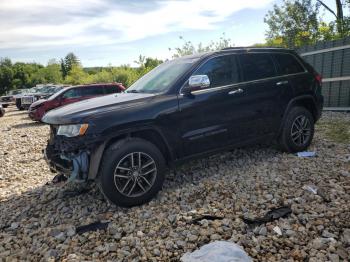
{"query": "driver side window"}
(221, 70)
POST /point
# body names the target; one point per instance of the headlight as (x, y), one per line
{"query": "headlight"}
(72, 130)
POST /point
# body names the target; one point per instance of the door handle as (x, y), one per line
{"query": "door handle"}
(282, 83)
(237, 91)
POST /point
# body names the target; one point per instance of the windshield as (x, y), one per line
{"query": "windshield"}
(58, 92)
(162, 77)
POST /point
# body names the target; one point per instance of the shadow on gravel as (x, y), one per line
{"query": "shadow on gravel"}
(25, 125)
(16, 113)
(191, 172)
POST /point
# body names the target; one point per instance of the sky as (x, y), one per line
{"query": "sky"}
(115, 32)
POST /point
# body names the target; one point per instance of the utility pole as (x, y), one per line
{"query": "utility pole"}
(339, 15)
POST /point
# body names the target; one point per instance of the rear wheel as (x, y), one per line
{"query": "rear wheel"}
(132, 172)
(298, 130)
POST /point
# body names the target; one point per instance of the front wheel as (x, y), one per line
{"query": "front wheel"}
(132, 172)
(297, 131)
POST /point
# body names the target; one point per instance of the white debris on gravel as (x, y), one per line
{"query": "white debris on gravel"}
(38, 223)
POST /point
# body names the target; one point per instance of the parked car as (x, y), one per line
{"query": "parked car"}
(2, 111)
(70, 95)
(37, 93)
(8, 99)
(183, 109)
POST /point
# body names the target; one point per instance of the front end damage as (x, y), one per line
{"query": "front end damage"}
(76, 158)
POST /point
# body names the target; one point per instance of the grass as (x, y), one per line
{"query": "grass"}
(335, 130)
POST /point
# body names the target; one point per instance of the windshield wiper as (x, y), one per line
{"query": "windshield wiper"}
(133, 91)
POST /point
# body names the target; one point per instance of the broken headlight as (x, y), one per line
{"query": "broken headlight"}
(72, 130)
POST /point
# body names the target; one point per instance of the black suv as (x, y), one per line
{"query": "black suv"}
(185, 108)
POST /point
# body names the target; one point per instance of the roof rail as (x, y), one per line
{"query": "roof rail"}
(234, 47)
(252, 47)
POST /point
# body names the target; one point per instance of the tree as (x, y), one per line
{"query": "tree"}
(23, 74)
(188, 48)
(6, 75)
(343, 23)
(68, 63)
(49, 74)
(77, 76)
(141, 61)
(294, 23)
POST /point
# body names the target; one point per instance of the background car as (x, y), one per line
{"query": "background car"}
(36, 93)
(70, 95)
(8, 99)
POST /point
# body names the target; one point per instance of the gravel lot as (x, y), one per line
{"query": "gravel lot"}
(38, 221)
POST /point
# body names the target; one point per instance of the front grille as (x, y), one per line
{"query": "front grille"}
(27, 100)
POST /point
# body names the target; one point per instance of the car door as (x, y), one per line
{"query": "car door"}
(206, 115)
(111, 89)
(262, 98)
(70, 96)
(91, 91)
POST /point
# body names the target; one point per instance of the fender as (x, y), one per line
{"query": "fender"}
(97, 153)
(294, 101)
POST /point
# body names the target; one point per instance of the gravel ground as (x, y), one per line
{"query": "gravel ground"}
(38, 221)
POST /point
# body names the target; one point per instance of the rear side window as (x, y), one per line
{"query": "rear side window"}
(288, 64)
(221, 70)
(92, 90)
(257, 66)
(111, 89)
(72, 93)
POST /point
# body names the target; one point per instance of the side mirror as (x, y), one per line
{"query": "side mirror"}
(196, 82)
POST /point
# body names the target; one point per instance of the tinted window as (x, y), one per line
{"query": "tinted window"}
(221, 71)
(92, 90)
(288, 64)
(71, 93)
(111, 89)
(257, 66)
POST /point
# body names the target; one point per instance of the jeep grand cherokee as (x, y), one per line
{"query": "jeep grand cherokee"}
(185, 108)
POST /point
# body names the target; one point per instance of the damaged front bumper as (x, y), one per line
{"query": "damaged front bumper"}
(77, 158)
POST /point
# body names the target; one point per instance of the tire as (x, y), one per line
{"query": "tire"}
(293, 139)
(116, 171)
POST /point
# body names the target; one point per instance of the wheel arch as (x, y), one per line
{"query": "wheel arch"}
(150, 134)
(307, 101)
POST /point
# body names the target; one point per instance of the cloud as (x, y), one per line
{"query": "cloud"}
(42, 23)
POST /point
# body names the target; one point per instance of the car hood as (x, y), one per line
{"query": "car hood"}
(39, 102)
(85, 109)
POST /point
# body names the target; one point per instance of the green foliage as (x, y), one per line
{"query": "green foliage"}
(292, 24)
(297, 23)
(68, 63)
(6, 75)
(69, 71)
(188, 48)
(77, 75)
(49, 74)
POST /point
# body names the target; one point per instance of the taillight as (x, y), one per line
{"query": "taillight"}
(318, 78)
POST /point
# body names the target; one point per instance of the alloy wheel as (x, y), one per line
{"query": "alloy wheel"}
(135, 174)
(301, 130)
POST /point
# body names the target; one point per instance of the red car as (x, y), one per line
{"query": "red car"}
(70, 95)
